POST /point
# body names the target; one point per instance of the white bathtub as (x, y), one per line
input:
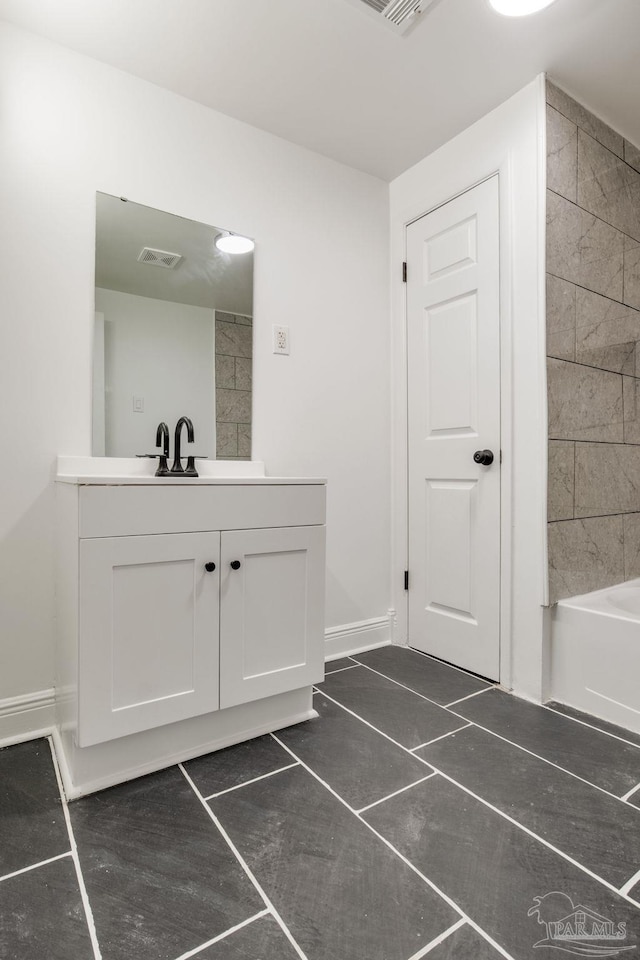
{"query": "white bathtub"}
(595, 653)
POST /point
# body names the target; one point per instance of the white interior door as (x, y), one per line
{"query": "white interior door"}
(453, 323)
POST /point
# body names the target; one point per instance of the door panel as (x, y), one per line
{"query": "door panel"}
(271, 612)
(149, 627)
(449, 521)
(453, 332)
(451, 362)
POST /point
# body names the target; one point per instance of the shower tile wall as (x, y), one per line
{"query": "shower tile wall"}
(593, 350)
(234, 349)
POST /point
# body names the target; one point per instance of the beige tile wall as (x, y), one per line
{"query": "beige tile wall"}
(593, 349)
(234, 350)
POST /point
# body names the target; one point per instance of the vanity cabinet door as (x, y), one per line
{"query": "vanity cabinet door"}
(149, 620)
(271, 612)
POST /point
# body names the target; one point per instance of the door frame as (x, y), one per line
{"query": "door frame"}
(509, 142)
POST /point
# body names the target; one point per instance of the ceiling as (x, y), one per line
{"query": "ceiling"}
(203, 278)
(326, 75)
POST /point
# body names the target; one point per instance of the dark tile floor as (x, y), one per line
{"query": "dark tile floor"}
(423, 814)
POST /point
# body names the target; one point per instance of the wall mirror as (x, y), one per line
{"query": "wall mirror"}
(173, 333)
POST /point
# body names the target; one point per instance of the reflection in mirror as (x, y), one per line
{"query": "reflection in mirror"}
(173, 333)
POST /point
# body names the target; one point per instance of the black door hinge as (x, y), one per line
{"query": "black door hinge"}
(406, 579)
(404, 272)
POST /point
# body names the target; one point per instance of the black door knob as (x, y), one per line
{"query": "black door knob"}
(210, 567)
(485, 457)
(235, 564)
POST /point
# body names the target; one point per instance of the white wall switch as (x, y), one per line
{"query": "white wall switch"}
(280, 339)
(138, 404)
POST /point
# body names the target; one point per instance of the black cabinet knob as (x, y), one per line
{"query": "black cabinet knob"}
(485, 457)
(235, 564)
(210, 567)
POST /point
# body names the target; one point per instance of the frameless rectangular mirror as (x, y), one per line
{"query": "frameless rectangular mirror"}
(173, 333)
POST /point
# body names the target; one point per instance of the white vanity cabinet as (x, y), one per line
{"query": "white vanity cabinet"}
(183, 600)
(148, 632)
(270, 609)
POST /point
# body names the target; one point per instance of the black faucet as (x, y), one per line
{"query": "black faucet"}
(162, 437)
(191, 463)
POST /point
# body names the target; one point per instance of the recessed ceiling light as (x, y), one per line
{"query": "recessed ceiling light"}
(519, 8)
(233, 243)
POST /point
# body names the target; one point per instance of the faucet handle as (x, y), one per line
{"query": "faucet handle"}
(191, 467)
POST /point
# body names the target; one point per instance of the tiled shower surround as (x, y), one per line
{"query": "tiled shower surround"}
(593, 350)
(234, 349)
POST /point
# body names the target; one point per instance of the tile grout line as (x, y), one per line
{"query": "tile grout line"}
(468, 697)
(590, 726)
(619, 303)
(405, 687)
(246, 783)
(400, 856)
(631, 793)
(486, 803)
(535, 836)
(34, 866)
(243, 862)
(368, 724)
(222, 936)
(629, 885)
(329, 673)
(76, 859)
(439, 939)
(394, 794)
(551, 763)
(428, 656)
(436, 739)
(486, 730)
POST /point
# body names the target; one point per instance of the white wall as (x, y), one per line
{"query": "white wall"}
(163, 353)
(70, 126)
(510, 141)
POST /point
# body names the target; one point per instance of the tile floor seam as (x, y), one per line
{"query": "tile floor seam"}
(405, 687)
(88, 912)
(252, 878)
(391, 795)
(536, 836)
(630, 793)
(329, 673)
(476, 693)
(486, 803)
(442, 737)
(567, 716)
(321, 693)
(34, 866)
(223, 936)
(538, 756)
(496, 686)
(452, 666)
(246, 783)
(438, 940)
(630, 884)
(400, 856)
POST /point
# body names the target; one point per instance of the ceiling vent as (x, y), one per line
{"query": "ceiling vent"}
(399, 15)
(159, 258)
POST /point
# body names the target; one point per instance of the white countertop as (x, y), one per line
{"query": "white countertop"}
(137, 471)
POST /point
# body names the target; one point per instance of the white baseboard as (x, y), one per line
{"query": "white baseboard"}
(357, 637)
(33, 714)
(27, 716)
